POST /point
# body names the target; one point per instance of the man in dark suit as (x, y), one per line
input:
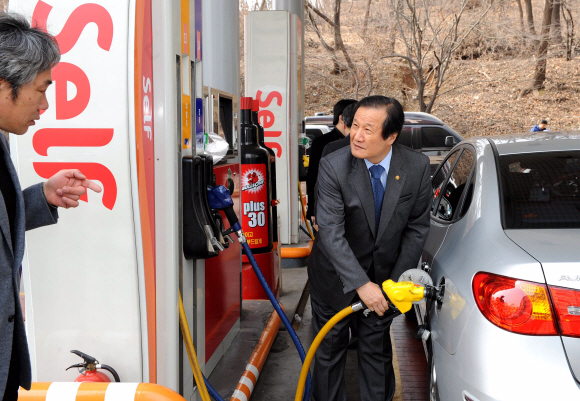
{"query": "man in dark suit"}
(318, 145)
(373, 215)
(26, 59)
(347, 117)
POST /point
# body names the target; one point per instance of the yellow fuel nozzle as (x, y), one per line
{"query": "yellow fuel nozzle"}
(403, 294)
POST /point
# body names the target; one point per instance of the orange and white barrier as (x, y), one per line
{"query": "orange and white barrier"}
(71, 391)
(248, 380)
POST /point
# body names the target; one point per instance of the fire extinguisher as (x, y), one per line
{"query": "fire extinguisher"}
(256, 193)
(88, 369)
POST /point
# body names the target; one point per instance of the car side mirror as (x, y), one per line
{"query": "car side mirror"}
(449, 141)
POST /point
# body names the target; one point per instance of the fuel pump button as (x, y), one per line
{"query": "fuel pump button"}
(10, 318)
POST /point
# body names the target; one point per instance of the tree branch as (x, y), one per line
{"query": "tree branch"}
(320, 14)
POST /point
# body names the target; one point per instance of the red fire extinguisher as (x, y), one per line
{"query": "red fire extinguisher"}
(89, 372)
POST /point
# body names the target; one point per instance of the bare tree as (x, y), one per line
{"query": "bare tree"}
(530, 18)
(431, 36)
(338, 43)
(556, 26)
(366, 23)
(542, 55)
(332, 51)
(567, 15)
(521, 11)
(346, 78)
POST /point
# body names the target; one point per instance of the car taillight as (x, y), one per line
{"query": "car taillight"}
(567, 305)
(515, 305)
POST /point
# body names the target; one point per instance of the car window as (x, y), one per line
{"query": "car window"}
(448, 207)
(439, 179)
(405, 138)
(541, 190)
(468, 196)
(433, 137)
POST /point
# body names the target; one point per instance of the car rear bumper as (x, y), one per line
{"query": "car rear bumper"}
(492, 364)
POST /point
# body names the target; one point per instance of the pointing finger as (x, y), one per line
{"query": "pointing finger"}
(92, 186)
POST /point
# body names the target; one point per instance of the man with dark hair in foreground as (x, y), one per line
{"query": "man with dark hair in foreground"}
(26, 59)
(373, 217)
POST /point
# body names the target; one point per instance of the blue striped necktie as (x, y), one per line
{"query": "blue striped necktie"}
(378, 192)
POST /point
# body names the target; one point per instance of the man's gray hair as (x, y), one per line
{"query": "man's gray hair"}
(24, 51)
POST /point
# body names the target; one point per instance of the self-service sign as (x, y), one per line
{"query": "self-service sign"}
(270, 79)
(83, 276)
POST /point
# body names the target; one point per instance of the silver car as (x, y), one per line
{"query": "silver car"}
(505, 246)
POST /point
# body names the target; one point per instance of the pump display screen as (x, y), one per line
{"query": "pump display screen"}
(255, 204)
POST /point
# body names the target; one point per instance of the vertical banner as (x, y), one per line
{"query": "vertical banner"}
(146, 165)
(270, 80)
(199, 137)
(198, 30)
(185, 77)
(92, 303)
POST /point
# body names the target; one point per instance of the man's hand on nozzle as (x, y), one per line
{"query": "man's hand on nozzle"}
(65, 188)
(372, 296)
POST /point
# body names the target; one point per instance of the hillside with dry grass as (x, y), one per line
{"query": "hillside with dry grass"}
(480, 91)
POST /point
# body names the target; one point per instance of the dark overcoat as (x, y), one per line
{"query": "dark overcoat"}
(32, 211)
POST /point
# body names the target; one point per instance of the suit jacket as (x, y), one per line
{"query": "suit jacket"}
(347, 245)
(334, 146)
(313, 163)
(32, 211)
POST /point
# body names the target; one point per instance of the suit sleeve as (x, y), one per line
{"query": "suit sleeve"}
(415, 233)
(312, 176)
(330, 218)
(36, 209)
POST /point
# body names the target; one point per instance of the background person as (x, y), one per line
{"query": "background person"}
(373, 215)
(542, 126)
(347, 117)
(316, 153)
(26, 58)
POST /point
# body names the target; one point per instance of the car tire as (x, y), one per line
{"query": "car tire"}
(432, 388)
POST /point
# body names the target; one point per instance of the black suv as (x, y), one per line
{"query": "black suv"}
(421, 131)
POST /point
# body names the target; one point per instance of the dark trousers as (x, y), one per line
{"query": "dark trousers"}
(375, 356)
(13, 382)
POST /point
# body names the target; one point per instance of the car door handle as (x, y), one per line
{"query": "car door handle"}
(426, 267)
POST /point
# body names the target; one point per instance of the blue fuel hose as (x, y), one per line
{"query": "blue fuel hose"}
(214, 394)
(219, 198)
(238, 228)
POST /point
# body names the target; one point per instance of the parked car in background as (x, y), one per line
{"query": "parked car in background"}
(504, 246)
(421, 131)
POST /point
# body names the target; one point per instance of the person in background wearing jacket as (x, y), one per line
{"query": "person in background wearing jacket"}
(26, 59)
(542, 126)
(316, 152)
